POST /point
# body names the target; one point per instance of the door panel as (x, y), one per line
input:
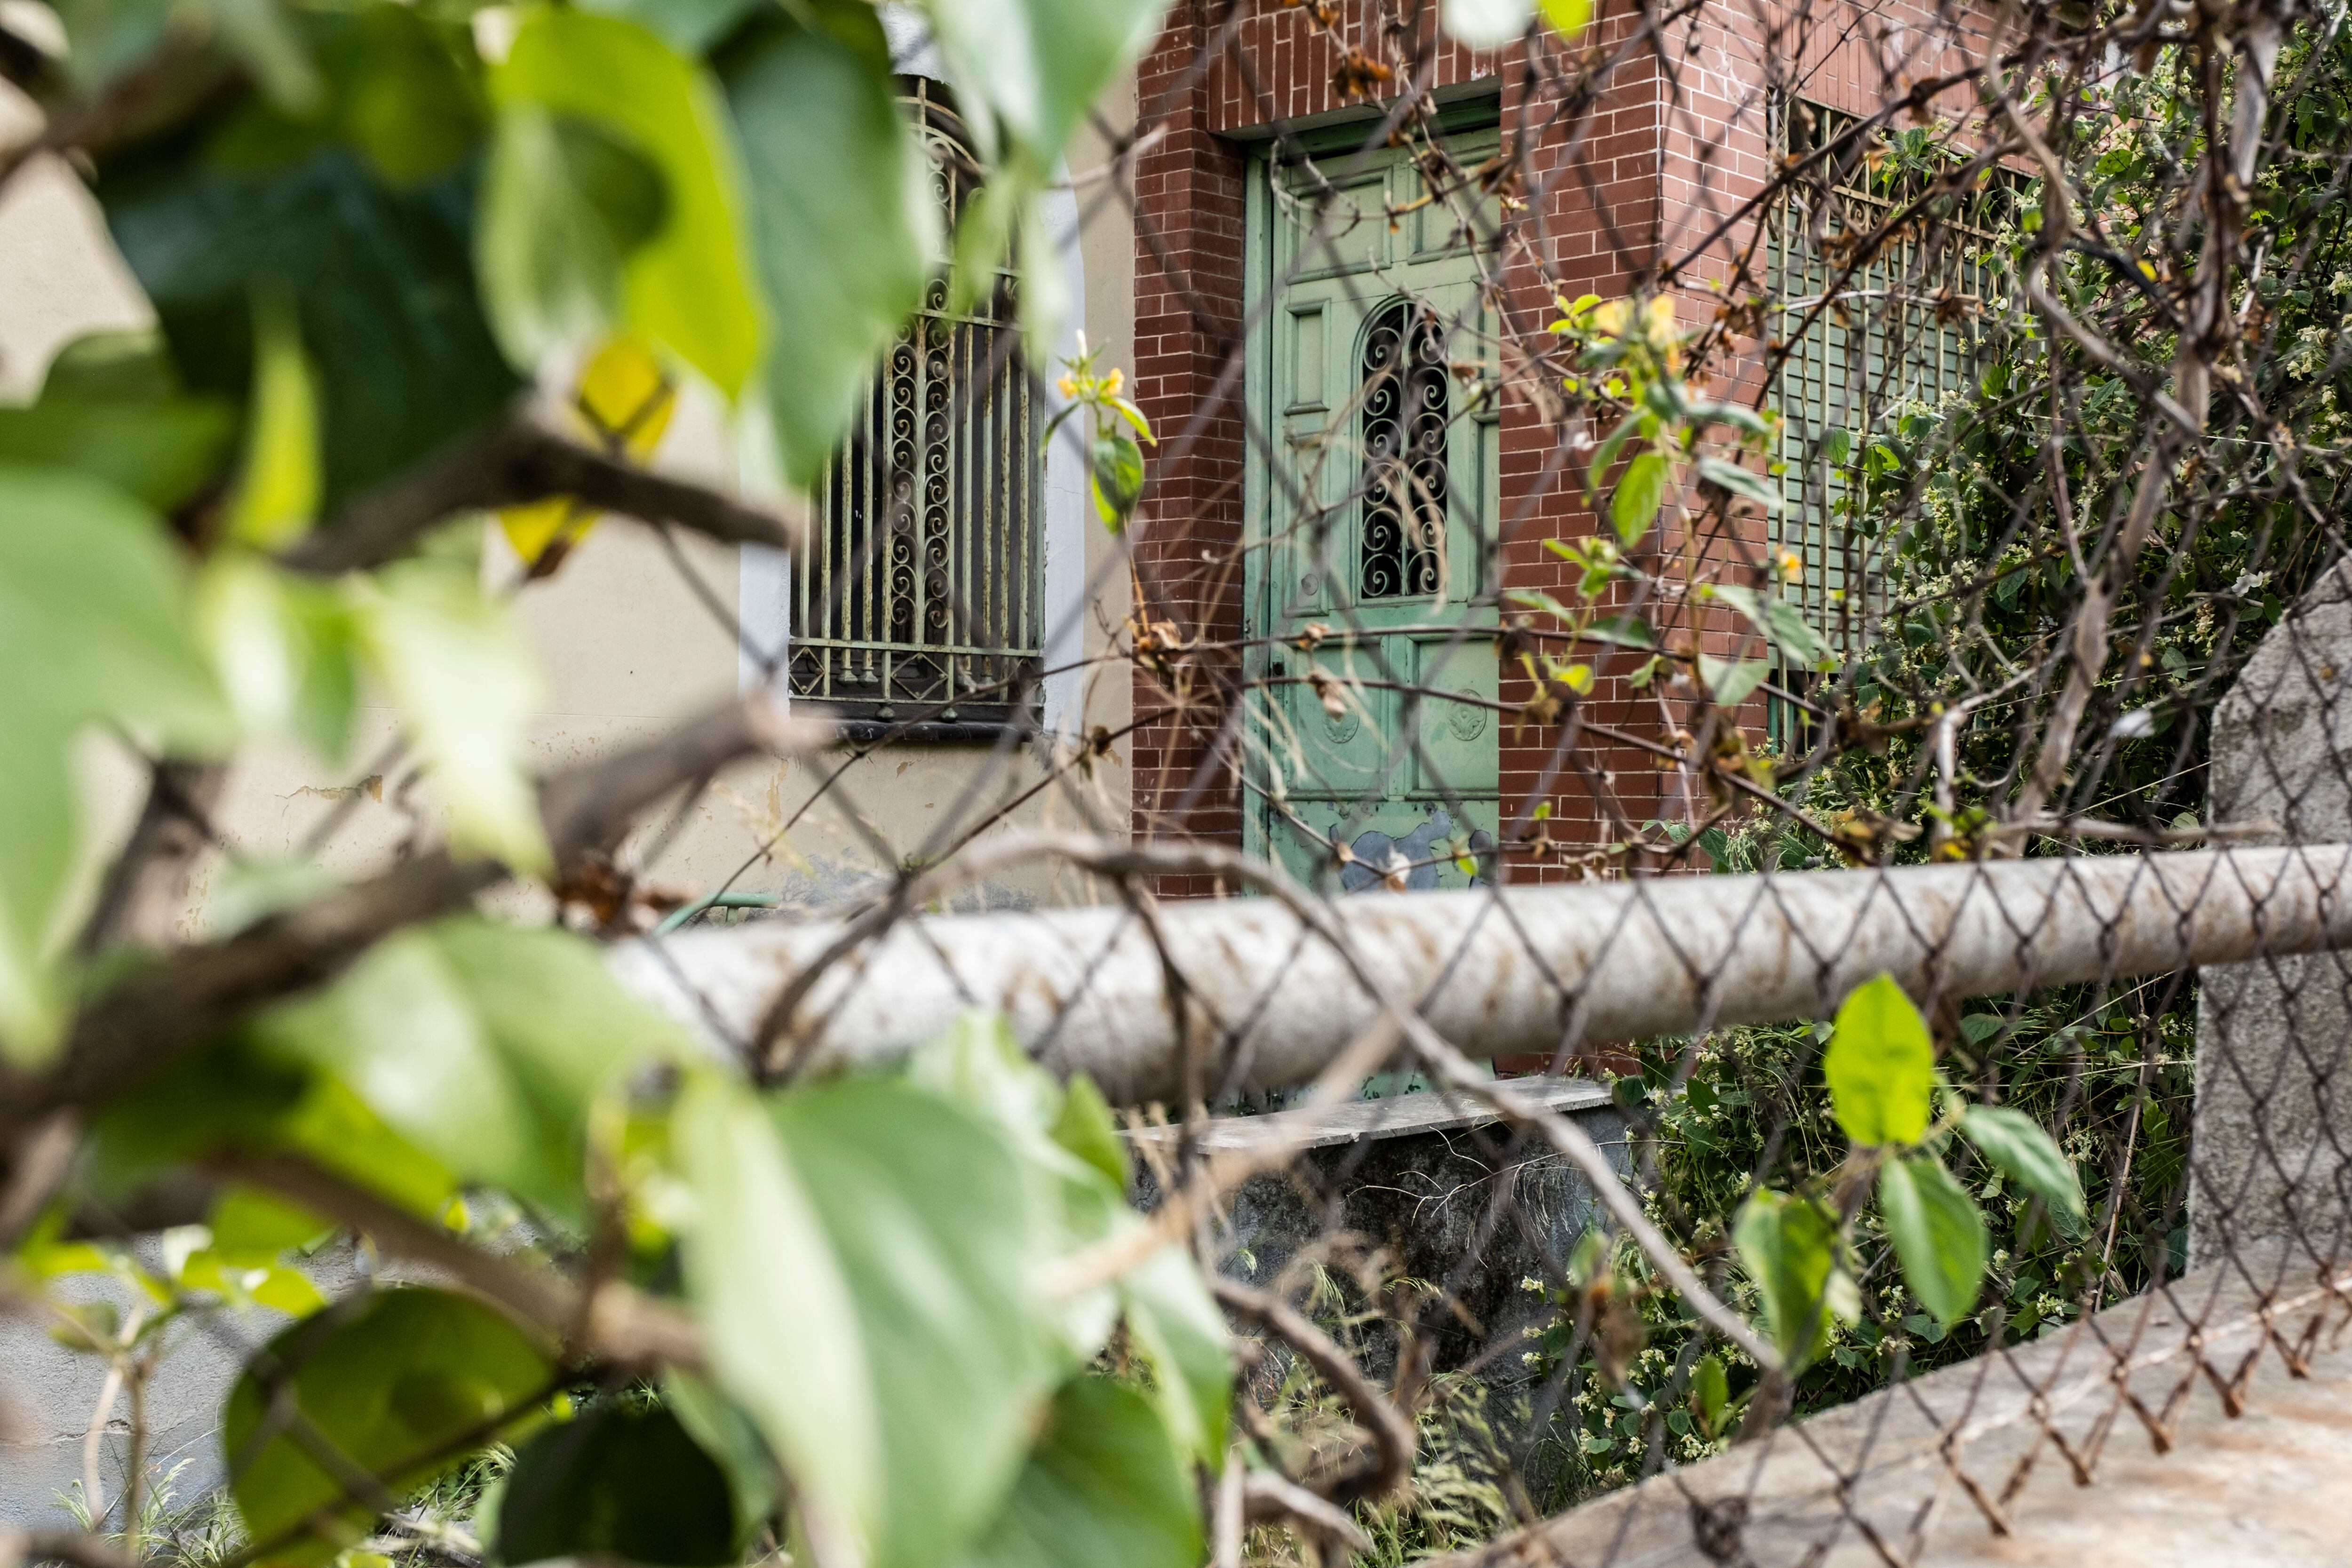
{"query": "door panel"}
(1371, 533)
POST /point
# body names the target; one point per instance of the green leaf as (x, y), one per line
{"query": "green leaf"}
(615, 1483)
(1741, 481)
(1729, 681)
(1176, 1322)
(1084, 1126)
(731, 1437)
(250, 891)
(689, 286)
(1638, 496)
(1710, 1391)
(462, 675)
(160, 452)
(1783, 623)
(930, 1219)
(93, 626)
(690, 27)
(1625, 631)
(564, 203)
(1790, 1249)
(1118, 479)
(278, 494)
(841, 204)
(2021, 1151)
(779, 1323)
(381, 277)
(1881, 1065)
(1036, 66)
(484, 1046)
(286, 651)
(1939, 1234)
(404, 1384)
(1106, 1485)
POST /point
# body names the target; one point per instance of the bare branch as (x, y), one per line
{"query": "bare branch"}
(516, 463)
(1390, 1461)
(150, 1017)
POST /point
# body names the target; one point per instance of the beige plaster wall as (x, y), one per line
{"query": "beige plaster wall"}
(626, 644)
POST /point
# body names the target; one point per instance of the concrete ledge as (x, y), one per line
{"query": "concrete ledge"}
(2209, 1422)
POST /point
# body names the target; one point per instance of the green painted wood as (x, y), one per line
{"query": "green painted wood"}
(1338, 250)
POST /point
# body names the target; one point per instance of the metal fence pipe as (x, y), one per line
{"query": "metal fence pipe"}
(1498, 972)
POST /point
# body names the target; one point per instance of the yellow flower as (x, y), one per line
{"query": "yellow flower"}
(1113, 382)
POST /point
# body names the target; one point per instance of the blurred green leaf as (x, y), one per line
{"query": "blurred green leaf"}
(277, 492)
(1729, 681)
(1180, 1329)
(1117, 478)
(842, 207)
(160, 452)
(381, 277)
(1710, 1391)
(687, 286)
(1037, 67)
(403, 1383)
(615, 1483)
(1790, 1248)
(1881, 1065)
(1741, 481)
(2021, 1150)
(93, 626)
(1938, 1231)
(1566, 18)
(690, 27)
(778, 1324)
(286, 651)
(1085, 1127)
(1106, 1485)
(1782, 623)
(1640, 495)
(930, 1219)
(564, 204)
(729, 1435)
(463, 676)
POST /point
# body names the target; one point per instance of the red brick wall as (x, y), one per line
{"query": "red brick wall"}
(1623, 188)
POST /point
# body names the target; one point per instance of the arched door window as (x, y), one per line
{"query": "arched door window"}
(1406, 409)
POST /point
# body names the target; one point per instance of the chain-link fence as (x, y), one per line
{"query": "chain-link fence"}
(1652, 527)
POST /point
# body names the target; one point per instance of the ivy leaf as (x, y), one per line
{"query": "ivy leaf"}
(687, 286)
(564, 204)
(1106, 1485)
(277, 493)
(1639, 494)
(614, 1484)
(464, 679)
(780, 1325)
(2021, 1150)
(1177, 1326)
(1790, 1248)
(1783, 623)
(405, 1383)
(285, 648)
(1938, 1231)
(930, 1219)
(1729, 681)
(1881, 1065)
(1741, 481)
(841, 200)
(93, 625)
(1118, 479)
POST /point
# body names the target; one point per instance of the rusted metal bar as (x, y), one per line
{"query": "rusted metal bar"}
(1269, 1002)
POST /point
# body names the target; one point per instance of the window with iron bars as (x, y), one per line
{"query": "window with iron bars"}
(1875, 337)
(918, 597)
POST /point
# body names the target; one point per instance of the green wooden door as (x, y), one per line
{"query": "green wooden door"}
(1371, 526)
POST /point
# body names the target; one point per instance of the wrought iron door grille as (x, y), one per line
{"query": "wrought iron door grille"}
(917, 598)
(1407, 412)
(1869, 346)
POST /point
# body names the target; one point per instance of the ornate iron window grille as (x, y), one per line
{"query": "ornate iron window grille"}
(918, 596)
(1893, 337)
(1407, 408)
